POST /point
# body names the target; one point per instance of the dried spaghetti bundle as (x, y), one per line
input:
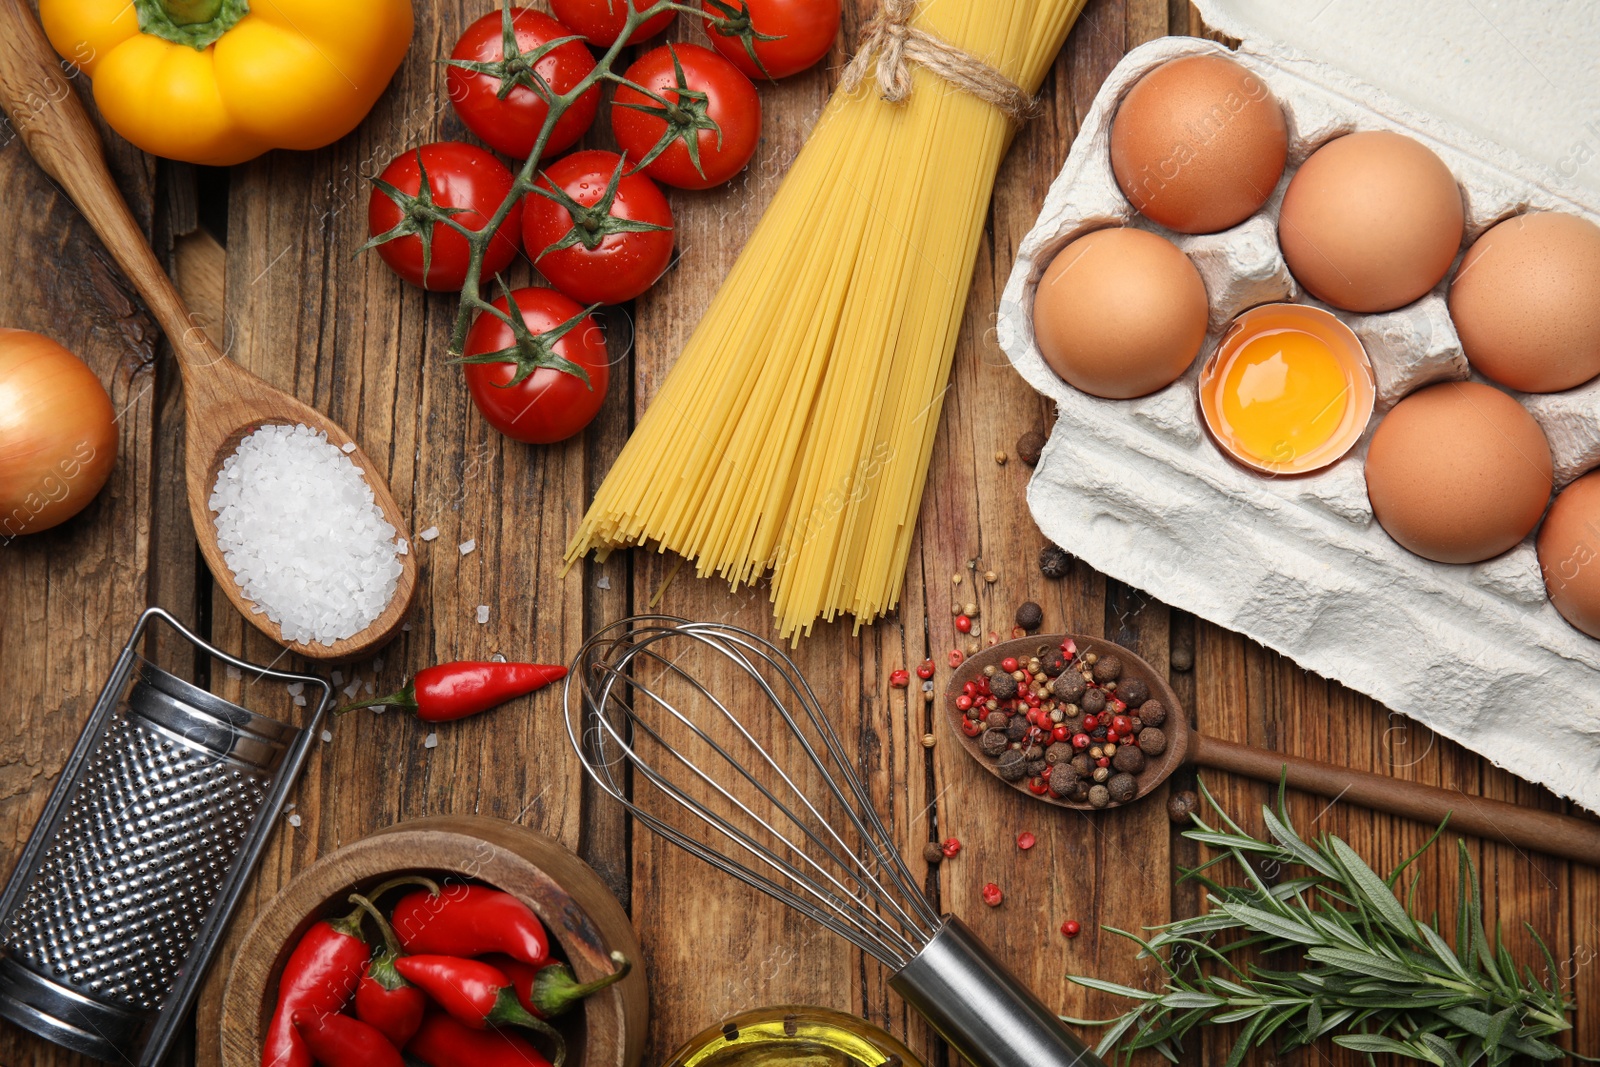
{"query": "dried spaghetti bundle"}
(792, 436)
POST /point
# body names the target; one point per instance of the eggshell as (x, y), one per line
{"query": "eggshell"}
(1458, 472)
(1569, 553)
(1198, 144)
(1120, 313)
(1526, 302)
(1371, 221)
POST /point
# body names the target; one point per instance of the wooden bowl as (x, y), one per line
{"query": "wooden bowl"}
(1156, 771)
(575, 906)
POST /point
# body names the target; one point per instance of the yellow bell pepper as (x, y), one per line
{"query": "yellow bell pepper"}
(221, 81)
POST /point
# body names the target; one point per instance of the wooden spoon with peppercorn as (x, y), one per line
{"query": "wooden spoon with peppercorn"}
(1080, 722)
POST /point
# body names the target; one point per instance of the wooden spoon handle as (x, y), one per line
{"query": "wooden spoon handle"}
(46, 112)
(1541, 831)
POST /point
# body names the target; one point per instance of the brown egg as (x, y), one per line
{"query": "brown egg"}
(1569, 553)
(1371, 221)
(1458, 472)
(1526, 302)
(1120, 313)
(1199, 144)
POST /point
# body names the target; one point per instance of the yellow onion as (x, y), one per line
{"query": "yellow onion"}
(58, 434)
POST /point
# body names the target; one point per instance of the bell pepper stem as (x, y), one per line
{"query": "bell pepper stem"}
(196, 23)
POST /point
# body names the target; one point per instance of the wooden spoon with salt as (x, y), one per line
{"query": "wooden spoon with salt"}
(223, 402)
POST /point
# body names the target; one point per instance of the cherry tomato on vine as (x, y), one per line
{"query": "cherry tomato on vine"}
(601, 21)
(465, 183)
(606, 237)
(708, 127)
(480, 67)
(544, 380)
(772, 38)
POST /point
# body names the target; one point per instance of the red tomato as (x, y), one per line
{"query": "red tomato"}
(601, 21)
(459, 176)
(710, 105)
(549, 403)
(613, 249)
(478, 69)
(772, 38)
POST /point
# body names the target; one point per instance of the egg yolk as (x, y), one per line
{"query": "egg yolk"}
(1283, 394)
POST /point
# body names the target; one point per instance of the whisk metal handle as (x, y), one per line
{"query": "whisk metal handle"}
(982, 1009)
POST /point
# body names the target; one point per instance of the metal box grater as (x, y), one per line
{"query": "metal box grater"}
(126, 886)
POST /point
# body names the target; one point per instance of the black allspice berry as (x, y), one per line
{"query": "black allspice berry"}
(1030, 616)
(1053, 663)
(1107, 669)
(1099, 796)
(1133, 692)
(1122, 788)
(1070, 687)
(993, 742)
(1017, 729)
(933, 854)
(1129, 759)
(1054, 562)
(1012, 766)
(1082, 765)
(1030, 446)
(1060, 752)
(1152, 742)
(1093, 701)
(1152, 713)
(1003, 686)
(1181, 805)
(1063, 782)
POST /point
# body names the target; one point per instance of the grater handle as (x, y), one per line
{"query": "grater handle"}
(982, 1009)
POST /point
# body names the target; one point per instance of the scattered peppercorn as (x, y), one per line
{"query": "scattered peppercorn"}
(1054, 562)
(992, 895)
(1093, 701)
(964, 623)
(1099, 796)
(1053, 663)
(951, 846)
(1063, 781)
(957, 657)
(1000, 458)
(1003, 686)
(925, 669)
(1152, 713)
(1030, 616)
(900, 678)
(1182, 658)
(1107, 669)
(991, 577)
(1060, 752)
(1122, 788)
(1181, 805)
(1025, 840)
(1017, 729)
(933, 854)
(928, 741)
(993, 742)
(1030, 446)
(1071, 928)
(1133, 692)
(1152, 741)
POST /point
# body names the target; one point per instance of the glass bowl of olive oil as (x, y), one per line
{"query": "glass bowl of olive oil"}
(794, 1037)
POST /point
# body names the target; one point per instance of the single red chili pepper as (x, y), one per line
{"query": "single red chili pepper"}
(447, 1042)
(339, 1041)
(553, 990)
(470, 920)
(384, 999)
(318, 978)
(473, 992)
(455, 690)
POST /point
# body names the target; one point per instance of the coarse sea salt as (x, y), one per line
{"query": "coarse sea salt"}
(429, 534)
(483, 613)
(302, 533)
(468, 546)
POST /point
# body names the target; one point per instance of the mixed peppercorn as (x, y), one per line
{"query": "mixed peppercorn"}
(454, 964)
(1076, 728)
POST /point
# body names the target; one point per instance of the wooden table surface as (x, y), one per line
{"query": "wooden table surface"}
(265, 254)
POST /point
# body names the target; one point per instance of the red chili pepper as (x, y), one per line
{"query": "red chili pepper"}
(553, 990)
(470, 920)
(384, 999)
(445, 1042)
(339, 1041)
(321, 973)
(477, 993)
(455, 690)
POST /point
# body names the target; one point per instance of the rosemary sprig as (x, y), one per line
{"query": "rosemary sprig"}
(1358, 966)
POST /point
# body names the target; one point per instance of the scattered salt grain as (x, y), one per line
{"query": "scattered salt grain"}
(429, 534)
(327, 735)
(290, 806)
(405, 627)
(351, 689)
(294, 820)
(296, 688)
(299, 701)
(303, 535)
(604, 582)
(403, 547)
(234, 672)
(498, 657)
(431, 741)
(483, 613)
(369, 688)
(338, 677)
(468, 546)
(348, 447)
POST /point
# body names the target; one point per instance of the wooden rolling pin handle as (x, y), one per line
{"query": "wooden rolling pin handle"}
(46, 113)
(1541, 831)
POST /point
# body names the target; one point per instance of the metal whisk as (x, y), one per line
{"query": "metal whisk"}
(735, 761)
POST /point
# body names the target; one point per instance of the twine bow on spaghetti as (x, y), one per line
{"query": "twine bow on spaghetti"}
(896, 44)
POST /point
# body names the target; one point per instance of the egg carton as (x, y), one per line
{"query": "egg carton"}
(1138, 490)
